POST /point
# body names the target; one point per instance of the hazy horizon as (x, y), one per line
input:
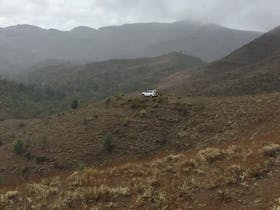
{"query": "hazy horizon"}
(250, 15)
(123, 24)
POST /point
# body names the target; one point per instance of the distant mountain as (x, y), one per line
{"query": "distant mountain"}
(209, 42)
(254, 68)
(102, 79)
(24, 45)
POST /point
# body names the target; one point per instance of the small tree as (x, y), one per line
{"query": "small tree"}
(41, 159)
(1, 180)
(108, 142)
(82, 166)
(75, 104)
(18, 147)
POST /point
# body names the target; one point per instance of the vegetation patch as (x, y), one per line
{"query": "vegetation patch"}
(41, 159)
(108, 142)
(19, 147)
(88, 120)
(271, 149)
(147, 185)
(136, 103)
(82, 166)
(211, 155)
(2, 180)
(75, 104)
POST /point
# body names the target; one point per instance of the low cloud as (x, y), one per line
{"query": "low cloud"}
(243, 14)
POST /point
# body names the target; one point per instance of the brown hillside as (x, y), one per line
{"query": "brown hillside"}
(252, 69)
(140, 128)
(102, 79)
(243, 175)
(268, 45)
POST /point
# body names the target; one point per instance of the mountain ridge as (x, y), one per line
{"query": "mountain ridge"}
(252, 69)
(24, 45)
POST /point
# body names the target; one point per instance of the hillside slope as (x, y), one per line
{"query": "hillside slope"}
(23, 45)
(211, 42)
(20, 101)
(102, 79)
(137, 128)
(233, 177)
(252, 69)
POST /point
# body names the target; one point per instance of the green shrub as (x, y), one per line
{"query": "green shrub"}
(82, 166)
(1, 180)
(75, 104)
(41, 159)
(25, 170)
(19, 147)
(108, 142)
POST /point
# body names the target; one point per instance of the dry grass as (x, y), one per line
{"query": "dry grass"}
(211, 178)
(156, 126)
(271, 149)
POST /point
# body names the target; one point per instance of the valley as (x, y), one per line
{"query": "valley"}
(79, 134)
(103, 79)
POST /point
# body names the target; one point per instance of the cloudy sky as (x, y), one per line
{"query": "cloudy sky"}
(259, 15)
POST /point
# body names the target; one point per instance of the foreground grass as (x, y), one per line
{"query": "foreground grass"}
(228, 177)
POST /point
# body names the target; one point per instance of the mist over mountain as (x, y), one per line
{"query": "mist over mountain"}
(21, 46)
(252, 69)
(97, 80)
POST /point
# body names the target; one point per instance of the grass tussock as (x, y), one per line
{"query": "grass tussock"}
(174, 181)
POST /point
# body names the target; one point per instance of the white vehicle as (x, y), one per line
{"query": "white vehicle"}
(150, 93)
